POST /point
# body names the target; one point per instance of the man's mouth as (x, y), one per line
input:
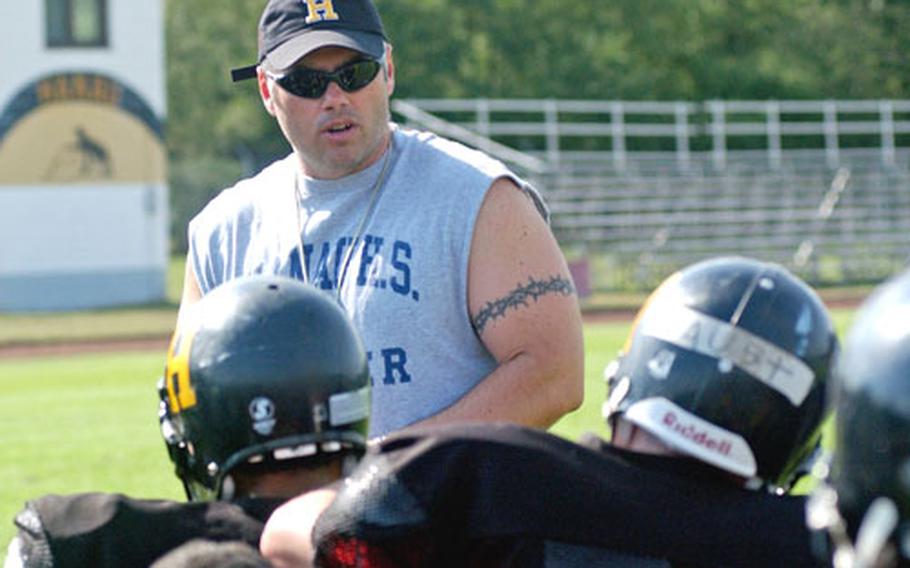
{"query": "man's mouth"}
(337, 127)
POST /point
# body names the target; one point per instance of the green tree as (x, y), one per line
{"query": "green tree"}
(621, 49)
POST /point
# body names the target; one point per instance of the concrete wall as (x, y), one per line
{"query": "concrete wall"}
(135, 54)
(83, 176)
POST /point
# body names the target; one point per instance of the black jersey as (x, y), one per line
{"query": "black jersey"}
(102, 529)
(502, 495)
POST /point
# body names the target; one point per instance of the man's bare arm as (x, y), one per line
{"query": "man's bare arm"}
(191, 292)
(525, 310)
(287, 537)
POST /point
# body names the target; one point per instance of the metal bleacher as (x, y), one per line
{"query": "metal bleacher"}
(637, 190)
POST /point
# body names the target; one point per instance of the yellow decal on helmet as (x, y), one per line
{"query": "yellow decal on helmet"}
(180, 391)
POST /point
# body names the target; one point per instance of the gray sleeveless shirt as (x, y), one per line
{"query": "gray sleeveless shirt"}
(405, 286)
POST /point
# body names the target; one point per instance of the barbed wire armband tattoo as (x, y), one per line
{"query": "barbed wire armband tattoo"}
(521, 297)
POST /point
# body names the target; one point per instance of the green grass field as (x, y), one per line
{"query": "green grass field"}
(80, 423)
(88, 422)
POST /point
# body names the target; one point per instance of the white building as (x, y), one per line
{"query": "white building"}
(83, 180)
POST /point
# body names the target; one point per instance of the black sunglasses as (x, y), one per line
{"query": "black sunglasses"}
(311, 83)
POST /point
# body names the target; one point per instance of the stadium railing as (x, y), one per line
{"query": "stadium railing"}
(638, 189)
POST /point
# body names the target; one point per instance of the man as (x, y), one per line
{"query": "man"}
(265, 396)
(715, 403)
(863, 508)
(441, 256)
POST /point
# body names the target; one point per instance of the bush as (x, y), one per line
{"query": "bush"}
(193, 183)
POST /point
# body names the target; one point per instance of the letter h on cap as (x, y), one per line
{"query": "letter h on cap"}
(320, 11)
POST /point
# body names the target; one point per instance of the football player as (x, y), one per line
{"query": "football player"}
(265, 396)
(715, 406)
(863, 507)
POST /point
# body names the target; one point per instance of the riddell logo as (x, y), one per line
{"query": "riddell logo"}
(693, 433)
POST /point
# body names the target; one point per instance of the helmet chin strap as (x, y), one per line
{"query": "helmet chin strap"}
(872, 540)
(872, 548)
(228, 488)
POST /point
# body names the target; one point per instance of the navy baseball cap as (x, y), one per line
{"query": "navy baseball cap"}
(290, 29)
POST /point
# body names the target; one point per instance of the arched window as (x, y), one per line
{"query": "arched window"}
(76, 23)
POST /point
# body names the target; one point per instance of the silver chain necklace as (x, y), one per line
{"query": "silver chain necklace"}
(374, 195)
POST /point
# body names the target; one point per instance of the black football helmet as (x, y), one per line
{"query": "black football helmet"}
(265, 370)
(865, 502)
(727, 362)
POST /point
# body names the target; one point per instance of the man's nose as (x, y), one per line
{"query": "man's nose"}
(334, 96)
